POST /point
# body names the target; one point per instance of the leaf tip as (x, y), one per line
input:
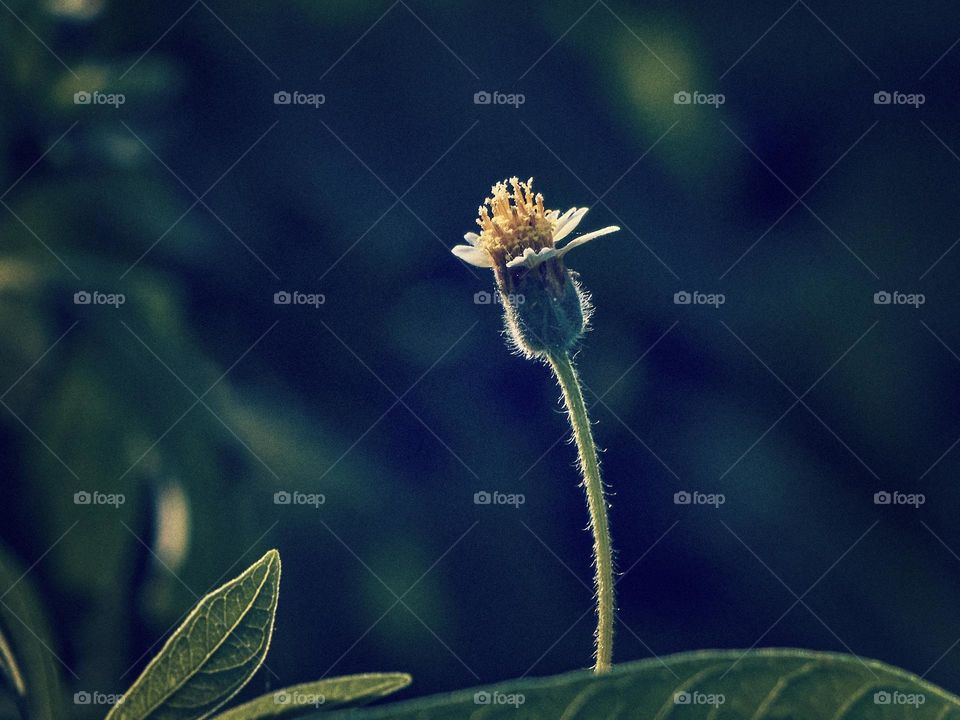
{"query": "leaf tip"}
(397, 680)
(271, 559)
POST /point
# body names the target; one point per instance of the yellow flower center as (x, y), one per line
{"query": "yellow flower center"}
(518, 221)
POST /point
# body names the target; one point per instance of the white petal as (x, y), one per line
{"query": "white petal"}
(473, 255)
(531, 259)
(472, 238)
(585, 239)
(567, 214)
(568, 222)
(560, 220)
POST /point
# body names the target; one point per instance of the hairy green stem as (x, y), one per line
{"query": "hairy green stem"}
(602, 553)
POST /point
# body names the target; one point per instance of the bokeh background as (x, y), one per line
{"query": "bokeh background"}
(199, 398)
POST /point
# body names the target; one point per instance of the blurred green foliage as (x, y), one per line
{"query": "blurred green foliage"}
(107, 399)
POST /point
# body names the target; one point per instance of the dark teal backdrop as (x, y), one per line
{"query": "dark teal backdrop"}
(198, 198)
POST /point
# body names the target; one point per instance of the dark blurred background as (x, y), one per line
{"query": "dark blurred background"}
(199, 398)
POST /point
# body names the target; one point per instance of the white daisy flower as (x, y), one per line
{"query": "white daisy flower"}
(545, 310)
(521, 233)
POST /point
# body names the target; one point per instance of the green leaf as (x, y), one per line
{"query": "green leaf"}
(760, 685)
(213, 654)
(320, 695)
(27, 661)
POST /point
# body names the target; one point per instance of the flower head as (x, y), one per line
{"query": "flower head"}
(545, 309)
(520, 232)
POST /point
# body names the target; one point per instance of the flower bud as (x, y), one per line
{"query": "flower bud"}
(545, 309)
